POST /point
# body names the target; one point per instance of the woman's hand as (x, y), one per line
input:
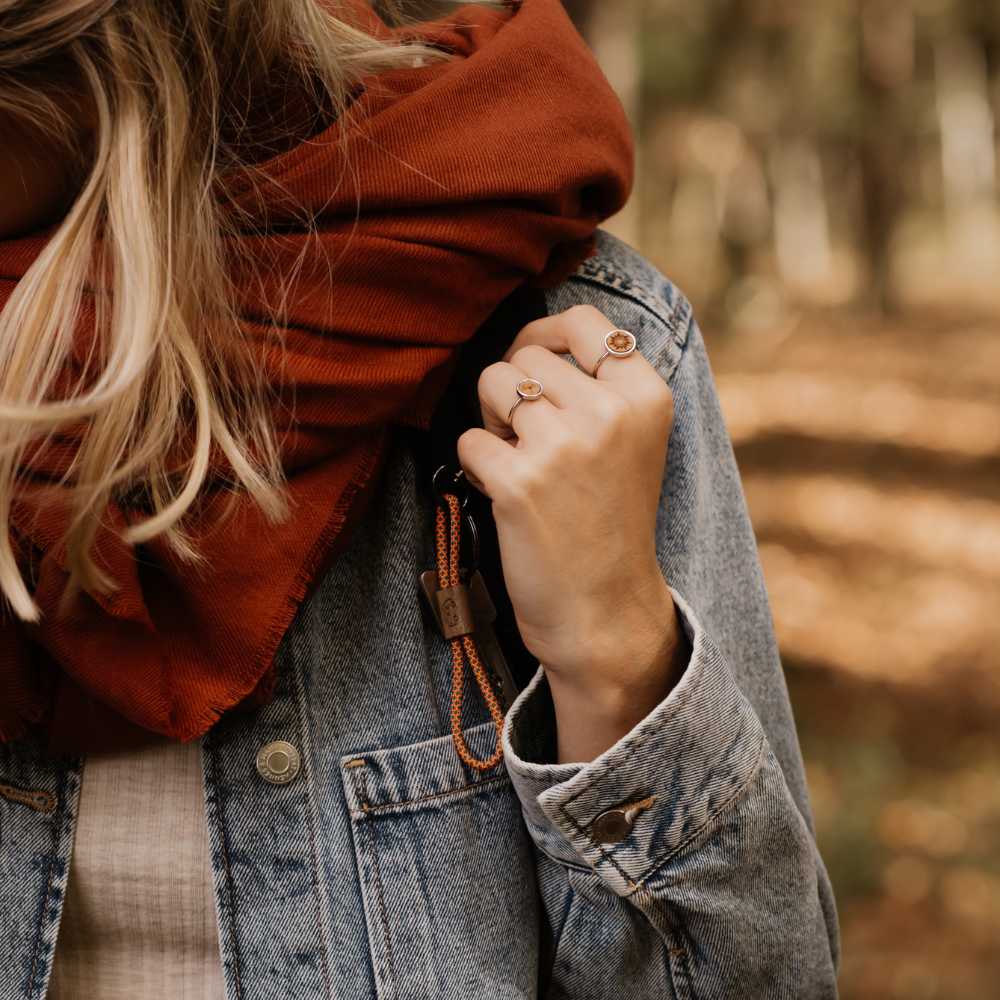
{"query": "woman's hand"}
(575, 485)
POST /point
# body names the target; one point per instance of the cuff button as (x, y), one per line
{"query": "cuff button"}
(611, 826)
(614, 825)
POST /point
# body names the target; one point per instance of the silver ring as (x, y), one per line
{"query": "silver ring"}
(617, 344)
(527, 388)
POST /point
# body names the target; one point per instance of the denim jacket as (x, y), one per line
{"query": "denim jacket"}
(387, 869)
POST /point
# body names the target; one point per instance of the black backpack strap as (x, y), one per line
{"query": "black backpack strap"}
(458, 410)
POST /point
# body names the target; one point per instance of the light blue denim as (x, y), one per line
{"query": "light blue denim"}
(410, 876)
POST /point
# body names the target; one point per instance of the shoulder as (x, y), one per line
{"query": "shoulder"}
(634, 294)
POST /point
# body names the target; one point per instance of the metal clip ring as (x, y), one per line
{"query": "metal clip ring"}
(459, 485)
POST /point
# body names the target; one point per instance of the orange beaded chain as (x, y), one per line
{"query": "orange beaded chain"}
(448, 576)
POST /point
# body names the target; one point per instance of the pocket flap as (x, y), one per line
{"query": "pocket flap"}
(418, 774)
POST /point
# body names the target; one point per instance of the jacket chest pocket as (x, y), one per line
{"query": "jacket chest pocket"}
(446, 871)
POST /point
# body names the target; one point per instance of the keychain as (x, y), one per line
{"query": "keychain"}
(464, 611)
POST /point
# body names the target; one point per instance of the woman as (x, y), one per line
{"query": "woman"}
(265, 265)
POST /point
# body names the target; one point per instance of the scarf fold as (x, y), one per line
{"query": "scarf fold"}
(447, 187)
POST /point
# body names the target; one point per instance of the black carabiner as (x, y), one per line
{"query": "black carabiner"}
(448, 479)
(470, 525)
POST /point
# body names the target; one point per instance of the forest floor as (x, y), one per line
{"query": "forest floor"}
(870, 453)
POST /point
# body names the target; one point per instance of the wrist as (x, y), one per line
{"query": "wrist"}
(641, 659)
(622, 641)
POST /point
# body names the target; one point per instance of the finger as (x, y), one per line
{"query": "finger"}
(580, 331)
(565, 385)
(485, 458)
(497, 394)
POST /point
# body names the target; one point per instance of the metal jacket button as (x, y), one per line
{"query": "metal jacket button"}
(278, 762)
(611, 826)
(614, 825)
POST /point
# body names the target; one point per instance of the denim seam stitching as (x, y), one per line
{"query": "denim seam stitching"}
(604, 854)
(592, 268)
(683, 974)
(581, 869)
(711, 820)
(56, 834)
(658, 862)
(310, 826)
(319, 916)
(681, 699)
(41, 928)
(380, 894)
(677, 318)
(683, 696)
(36, 799)
(230, 900)
(565, 918)
(470, 787)
(676, 322)
(670, 316)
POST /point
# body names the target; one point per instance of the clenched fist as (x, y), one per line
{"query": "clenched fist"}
(575, 481)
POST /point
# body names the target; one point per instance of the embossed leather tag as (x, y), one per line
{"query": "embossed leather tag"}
(483, 613)
(454, 611)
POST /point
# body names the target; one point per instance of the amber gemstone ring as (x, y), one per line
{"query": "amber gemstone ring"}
(527, 388)
(617, 344)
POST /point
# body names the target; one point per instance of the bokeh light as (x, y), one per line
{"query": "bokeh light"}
(821, 180)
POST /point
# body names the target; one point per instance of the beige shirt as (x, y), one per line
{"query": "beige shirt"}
(139, 920)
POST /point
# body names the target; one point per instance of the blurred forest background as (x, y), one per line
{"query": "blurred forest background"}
(821, 180)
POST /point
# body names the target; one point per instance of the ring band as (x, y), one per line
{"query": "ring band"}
(527, 388)
(617, 344)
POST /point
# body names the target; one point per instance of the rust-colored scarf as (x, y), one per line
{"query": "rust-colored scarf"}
(463, 180)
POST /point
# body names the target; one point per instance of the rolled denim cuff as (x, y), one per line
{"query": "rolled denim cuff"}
(693, 755)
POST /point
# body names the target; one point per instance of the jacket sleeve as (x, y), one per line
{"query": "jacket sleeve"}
(714, 888)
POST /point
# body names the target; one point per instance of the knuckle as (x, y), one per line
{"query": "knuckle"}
(612, 409)
(583, 311)
(486, 376)
(562, 443)
(465, 443)
(533, 326)
(659, 399)
(469, 451)
(521, 484)
(583, 450)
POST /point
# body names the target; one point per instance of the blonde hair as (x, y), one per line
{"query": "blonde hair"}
(169, 85)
